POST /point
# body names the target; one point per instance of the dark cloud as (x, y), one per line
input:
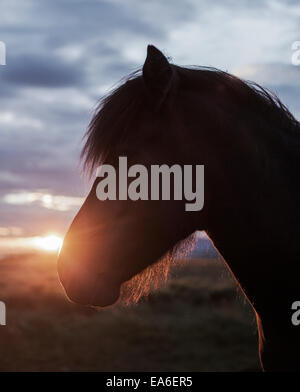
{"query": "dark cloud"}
(6, 89)
(40, 70)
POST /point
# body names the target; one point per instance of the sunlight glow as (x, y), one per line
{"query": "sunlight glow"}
(49, 243)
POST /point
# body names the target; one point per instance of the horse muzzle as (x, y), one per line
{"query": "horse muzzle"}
(86, 288)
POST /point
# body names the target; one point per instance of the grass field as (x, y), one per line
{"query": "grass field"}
(199, 321)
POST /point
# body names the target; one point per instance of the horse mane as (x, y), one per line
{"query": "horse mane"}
(122, 108)
(156, 274)
(111, 121)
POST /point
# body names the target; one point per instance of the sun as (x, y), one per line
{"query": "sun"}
(48, 243)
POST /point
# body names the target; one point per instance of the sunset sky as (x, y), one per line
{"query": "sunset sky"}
(63, 55)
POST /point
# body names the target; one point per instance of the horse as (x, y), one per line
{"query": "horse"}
(249, 144)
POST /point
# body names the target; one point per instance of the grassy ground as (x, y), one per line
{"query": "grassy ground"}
(198, 322)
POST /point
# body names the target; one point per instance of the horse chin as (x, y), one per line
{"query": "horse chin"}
(105, 295)
(93, 292)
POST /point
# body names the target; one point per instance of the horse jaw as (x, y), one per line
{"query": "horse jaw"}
(105, 293)
(86, 288)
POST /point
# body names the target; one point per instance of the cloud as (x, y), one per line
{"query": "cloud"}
(40, 70)
(46, 200)
(282, 79)
(271, 74)
(10, 231)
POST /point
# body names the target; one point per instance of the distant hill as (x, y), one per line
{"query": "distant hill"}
(204, 249)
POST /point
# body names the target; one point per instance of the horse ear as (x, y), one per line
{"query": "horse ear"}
(157, 75)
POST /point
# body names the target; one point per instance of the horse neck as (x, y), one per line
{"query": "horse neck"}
(252, 221)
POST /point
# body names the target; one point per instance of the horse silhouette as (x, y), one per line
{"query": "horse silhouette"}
(248, 142)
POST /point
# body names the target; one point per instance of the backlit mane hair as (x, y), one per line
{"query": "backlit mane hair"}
(126, 105)
(155, 275)
(112, 119)
(121, 107)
